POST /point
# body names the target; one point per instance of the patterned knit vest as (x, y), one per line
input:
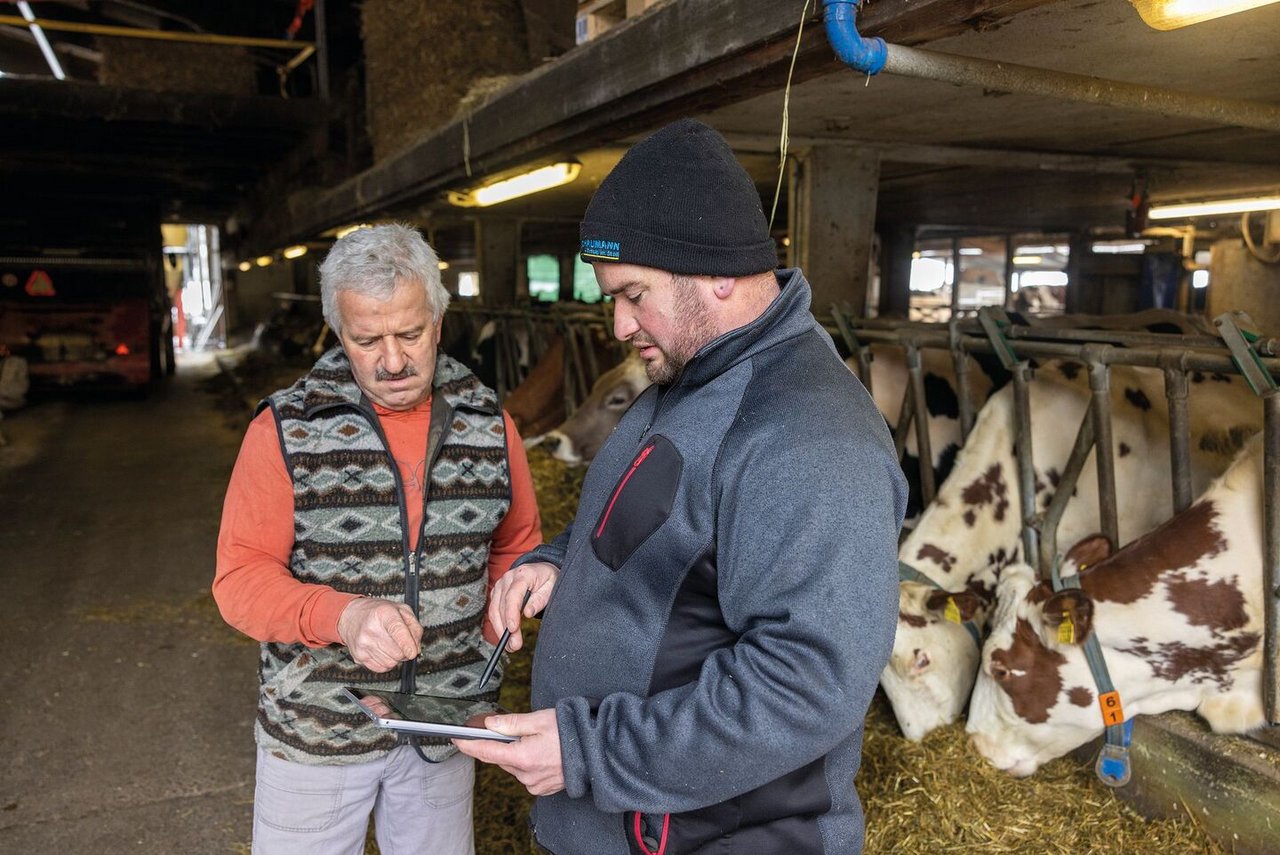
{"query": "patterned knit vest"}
(349, 525)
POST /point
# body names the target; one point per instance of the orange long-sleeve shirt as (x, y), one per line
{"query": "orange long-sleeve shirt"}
(252, 585)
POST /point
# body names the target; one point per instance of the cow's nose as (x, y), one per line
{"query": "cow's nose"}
(551, 442)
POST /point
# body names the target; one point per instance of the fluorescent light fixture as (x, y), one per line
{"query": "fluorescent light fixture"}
(1120, 247)
(262, 260)
(520, 185)
(1172, 14)
(37, 32)
(443, 265)
(1221, 206)
(244, 266)
(1027, 259)
(294, 251)
(354, 227)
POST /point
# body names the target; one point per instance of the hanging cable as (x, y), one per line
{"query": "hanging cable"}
(786, 117)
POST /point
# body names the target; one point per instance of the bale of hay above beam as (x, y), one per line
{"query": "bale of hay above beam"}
(421, 57)
(160, 66)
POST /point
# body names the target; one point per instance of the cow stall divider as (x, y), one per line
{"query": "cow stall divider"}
(520, 336)
(1016, 345)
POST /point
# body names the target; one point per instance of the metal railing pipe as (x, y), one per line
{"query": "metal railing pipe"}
(1026, 460)
(1271, 566)
(1100, 410)
(924, 445)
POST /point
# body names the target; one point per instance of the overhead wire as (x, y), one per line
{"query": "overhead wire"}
(786, 117)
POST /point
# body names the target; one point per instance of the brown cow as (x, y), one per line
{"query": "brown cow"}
(582, 435)
(537, 404)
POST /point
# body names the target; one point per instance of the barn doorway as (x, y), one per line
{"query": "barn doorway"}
(193, 278)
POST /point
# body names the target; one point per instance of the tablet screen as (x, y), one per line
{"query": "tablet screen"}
(429, 714)
(465, 712)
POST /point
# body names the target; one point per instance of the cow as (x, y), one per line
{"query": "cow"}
(972, 530)
(890, 381)
(537, 404)
(1178, 615)
(581, 435)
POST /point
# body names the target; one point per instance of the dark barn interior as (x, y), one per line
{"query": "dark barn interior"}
(176, 170)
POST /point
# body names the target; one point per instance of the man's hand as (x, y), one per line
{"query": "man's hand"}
(380, 634)
(539, 578)
(534, 760)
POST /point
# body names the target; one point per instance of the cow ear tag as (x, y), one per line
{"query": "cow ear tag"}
(1066, 630)
(952, 611)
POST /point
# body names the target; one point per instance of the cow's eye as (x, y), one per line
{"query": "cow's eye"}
(999, 673)
(617, 399)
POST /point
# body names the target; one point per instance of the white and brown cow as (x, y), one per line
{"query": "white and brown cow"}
(972, 530)
(1179, 617)
(890, 380)
(580, 436)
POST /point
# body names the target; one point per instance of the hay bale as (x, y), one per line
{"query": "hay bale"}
(421, 57)
(177, 67)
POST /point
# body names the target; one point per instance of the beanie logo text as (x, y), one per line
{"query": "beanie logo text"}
(609, 250)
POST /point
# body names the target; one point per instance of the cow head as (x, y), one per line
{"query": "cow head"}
(934, 658)
(1035, 698)
(583, 433)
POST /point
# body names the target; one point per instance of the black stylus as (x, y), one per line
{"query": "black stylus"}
(502, 645)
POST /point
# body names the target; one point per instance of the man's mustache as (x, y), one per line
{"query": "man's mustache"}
(408, 371)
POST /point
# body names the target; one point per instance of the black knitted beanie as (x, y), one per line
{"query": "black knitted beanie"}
(680, 201)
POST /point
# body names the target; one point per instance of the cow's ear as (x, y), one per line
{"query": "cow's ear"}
(1068, 615)
(955, 606)
(1090, 550)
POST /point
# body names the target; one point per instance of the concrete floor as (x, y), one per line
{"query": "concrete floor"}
(128, 710)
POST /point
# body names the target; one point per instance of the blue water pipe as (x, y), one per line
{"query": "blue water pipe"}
(863, 54)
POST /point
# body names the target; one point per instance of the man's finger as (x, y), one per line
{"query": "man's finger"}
(402, 636)
(516, 724)
(484, 750)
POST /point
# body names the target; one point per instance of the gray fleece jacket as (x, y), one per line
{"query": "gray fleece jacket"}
(726, 603)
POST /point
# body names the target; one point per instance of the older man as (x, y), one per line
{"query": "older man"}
(717, 617)
(371, 507)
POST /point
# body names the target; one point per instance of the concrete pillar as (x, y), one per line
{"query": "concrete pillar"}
(1078, 296)
(897, 242)
(832, 205)
(567, 265)
(1238, 281)
(497, 259)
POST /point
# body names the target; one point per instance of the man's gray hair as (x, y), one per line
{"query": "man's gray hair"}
(373, 262)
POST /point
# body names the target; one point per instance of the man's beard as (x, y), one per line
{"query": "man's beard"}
(696, 329)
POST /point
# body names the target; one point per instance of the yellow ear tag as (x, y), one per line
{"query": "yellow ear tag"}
(952, 611)
(1066, 630)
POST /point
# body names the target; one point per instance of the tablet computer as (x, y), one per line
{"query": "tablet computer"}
(428, 715)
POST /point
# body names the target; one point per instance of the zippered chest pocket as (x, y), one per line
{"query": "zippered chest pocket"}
(640, 502)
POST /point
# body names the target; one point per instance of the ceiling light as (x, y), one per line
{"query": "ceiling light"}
(294, 251)
(354, 227)
(443, 265)
(262, 260)
(244, 266)
(520, 185)
(1172, 14)
(1220, 206)
(1027, 259)
(37, 32)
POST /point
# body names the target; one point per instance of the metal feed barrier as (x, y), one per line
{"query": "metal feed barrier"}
(523, 335)
(1235, 352)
